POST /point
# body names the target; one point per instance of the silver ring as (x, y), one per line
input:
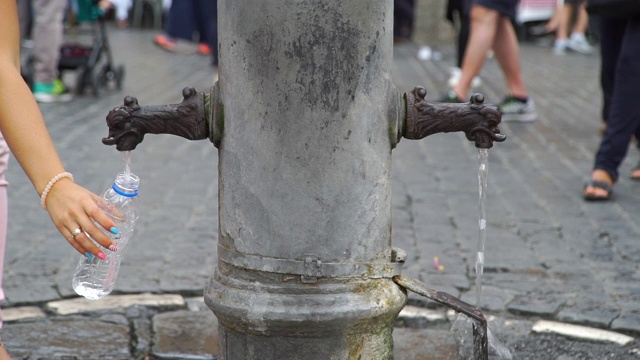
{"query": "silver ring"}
(76, 232)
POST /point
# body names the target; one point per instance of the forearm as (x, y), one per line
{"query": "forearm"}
(24, 129)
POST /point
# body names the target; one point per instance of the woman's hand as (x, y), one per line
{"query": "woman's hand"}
(73, 207)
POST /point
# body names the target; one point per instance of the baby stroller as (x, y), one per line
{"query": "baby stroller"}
(95, 62)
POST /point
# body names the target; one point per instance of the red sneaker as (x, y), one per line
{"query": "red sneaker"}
(165, 42)
(204, 49)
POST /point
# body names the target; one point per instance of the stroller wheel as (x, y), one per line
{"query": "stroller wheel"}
(119, 76)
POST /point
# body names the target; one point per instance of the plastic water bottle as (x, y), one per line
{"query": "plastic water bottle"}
(95, 278)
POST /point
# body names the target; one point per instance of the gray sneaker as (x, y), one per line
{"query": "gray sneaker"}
(514, 110)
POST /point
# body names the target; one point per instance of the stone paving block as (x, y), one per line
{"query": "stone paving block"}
(68, 338)
(423, 344)
(491, 299)
(80, 305)
(446, 278)
(536, 305)
(21, 313)
(601, 315)
(39, 290)
(185, 335)
(522, 282)
(627, 322)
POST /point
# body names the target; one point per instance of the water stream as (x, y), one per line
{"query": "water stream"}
(483, 171)
(126, 157)
(462, 326)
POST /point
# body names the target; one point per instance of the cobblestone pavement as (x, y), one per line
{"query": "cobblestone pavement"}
(549, 255)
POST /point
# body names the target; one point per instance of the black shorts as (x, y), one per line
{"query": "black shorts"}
(503, 7)
(574, 2)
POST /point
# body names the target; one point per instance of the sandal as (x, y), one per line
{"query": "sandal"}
(600, 185)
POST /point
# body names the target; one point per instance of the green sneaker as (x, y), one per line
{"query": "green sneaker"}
(514, 110)
(51, 92)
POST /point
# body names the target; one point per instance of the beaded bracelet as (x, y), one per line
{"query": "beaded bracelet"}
(45, 192)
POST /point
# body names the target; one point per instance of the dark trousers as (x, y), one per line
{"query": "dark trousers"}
(187, 17)
(620, 78)
(460, 9)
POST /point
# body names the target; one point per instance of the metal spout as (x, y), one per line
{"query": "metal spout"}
(478, 121)
(191, 119)
(480, 330)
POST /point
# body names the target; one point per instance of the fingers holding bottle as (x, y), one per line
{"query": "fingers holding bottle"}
(81, 242)
(74, 208)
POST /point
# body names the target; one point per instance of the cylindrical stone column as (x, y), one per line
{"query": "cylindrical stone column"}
(304, 243)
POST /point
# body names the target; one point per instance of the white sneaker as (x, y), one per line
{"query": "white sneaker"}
(454, 78)
(579, 43)
(560, 47)
(514, 110)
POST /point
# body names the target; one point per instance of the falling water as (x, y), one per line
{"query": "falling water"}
(462, 325)
(483, 171)
(126, 156)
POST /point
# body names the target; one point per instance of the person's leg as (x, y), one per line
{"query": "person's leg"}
(562, 32)
(484, 24)
(507, 53)
(203, 10)
(552, 24)
(4, 163)
(213, 42)
(122, 8)
(47, 37)
(463, 35)
(624, 113)
(24, 16)
(582, 19)
(578, 41)
(181, 22)
(609, 50)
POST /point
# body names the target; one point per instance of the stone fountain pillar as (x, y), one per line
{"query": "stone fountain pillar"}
(304, 245)
(305, 117)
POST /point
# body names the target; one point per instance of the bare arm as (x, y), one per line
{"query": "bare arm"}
(69, 205)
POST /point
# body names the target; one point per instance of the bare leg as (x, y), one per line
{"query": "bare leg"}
(4, 355)
(582, 20)
(552, 24)
(484, 24)
(563, 23)
(507, 53)
(4, 162)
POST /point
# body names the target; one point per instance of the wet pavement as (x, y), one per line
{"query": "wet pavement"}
(549, 255)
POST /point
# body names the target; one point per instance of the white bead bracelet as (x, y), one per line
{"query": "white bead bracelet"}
(45, 192)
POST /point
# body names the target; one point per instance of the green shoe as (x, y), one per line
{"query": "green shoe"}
(51, 92)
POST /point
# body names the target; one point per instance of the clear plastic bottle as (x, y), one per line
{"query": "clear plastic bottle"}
(95, 278)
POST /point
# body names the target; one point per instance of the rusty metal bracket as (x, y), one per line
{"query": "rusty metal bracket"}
(480, 336)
